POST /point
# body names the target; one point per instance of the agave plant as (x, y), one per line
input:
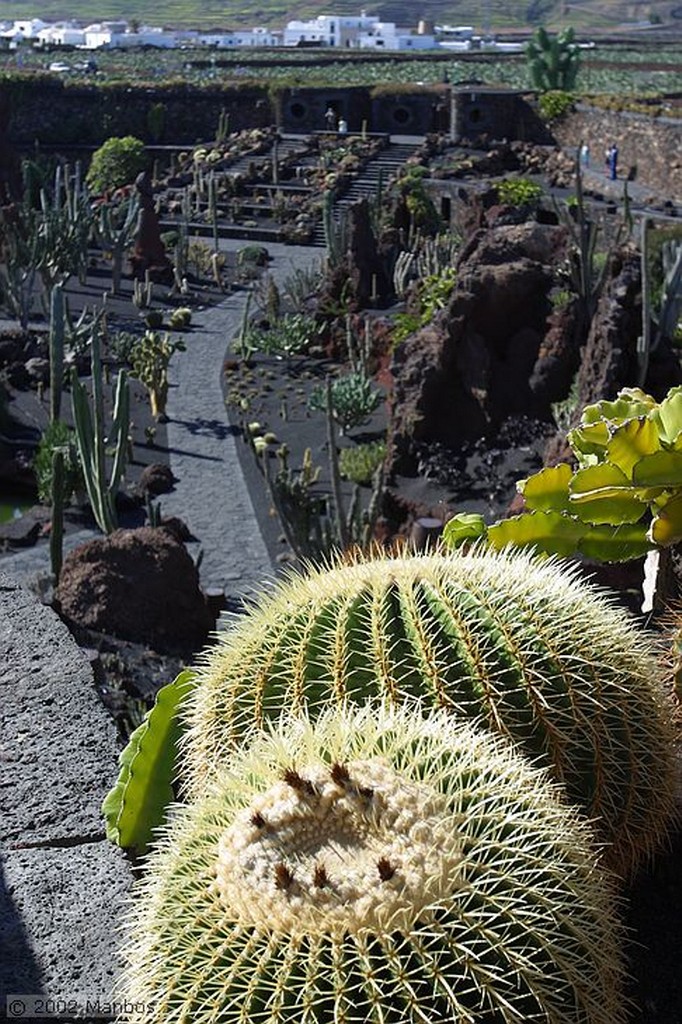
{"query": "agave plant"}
(377, 867)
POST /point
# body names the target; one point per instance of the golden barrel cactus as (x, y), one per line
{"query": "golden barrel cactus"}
(376, 866)
(526, 645)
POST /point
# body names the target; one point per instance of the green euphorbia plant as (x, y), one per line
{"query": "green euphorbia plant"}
(623, 499)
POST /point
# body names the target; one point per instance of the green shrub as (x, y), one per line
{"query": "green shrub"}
(116, 163)
(156, 120)
(360, 462)
(555, 104)
(421, 207)
(518, 192)
(433, 293)
(253, 256)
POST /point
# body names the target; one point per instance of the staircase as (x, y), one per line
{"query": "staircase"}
(375, 174)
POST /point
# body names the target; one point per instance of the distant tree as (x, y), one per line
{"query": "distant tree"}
(553, 61)
(116, 163)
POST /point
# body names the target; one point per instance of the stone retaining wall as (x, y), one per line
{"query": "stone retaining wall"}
(649, 147)
(50, 112)
(62, 885)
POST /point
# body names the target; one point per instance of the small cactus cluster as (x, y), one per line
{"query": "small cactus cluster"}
(373, 834)
(376, 865)
(524, 645)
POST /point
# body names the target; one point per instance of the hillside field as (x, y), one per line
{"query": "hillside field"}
(494, 15)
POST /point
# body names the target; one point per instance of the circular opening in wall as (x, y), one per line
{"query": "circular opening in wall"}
(297, 110)
(474, 115)
(401, 115)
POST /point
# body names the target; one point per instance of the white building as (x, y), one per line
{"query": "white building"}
(328, 30)
(20, 30)
(364, 32)
(62, 33)
(384, 35)
(111, 35)
(257, 36)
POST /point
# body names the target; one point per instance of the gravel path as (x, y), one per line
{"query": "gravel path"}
(210, 495)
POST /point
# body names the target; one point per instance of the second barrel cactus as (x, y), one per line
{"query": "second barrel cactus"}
(527, 646)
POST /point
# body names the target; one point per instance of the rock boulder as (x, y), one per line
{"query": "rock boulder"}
(469, 370)
(139, 585)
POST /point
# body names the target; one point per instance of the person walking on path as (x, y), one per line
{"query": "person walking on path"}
(585, 155)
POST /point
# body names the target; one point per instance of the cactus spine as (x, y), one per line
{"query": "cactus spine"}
(90, 439)
(377, 867)
(528, 647)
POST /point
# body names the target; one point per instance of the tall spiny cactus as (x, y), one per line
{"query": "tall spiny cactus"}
(57, 516)
(524, 645)
(115, 229)
(62, 230)
(90, 439)
(56, 348)
(667, 317)
(212, 201)
(553, 61)
(334, 230)
(381, 868)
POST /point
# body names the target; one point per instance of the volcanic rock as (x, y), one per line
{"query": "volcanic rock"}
(469, 370)
(139, 585)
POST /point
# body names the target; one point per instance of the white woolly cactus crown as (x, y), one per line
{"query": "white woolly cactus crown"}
(376, 867)
(526, 645)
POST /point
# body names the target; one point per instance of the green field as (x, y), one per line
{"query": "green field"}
(496, 15)
(623, 70)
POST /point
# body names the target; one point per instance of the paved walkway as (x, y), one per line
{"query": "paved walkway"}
(210, 494)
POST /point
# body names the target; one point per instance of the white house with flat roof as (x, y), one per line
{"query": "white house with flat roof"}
(25, 29)
(257, 36)
(328, 30)
(111, 35)
(385, 35)
(365, 32)
(61, 33)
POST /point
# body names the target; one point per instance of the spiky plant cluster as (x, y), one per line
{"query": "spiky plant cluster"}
(376, 866)
(527, 646)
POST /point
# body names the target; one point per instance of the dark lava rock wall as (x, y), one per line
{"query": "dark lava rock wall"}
(650, 148)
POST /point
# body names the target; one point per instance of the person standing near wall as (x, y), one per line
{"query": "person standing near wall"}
(330, 119)
(613, 162)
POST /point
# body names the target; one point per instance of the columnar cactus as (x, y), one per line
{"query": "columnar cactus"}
(527, 646)
(376, 867)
